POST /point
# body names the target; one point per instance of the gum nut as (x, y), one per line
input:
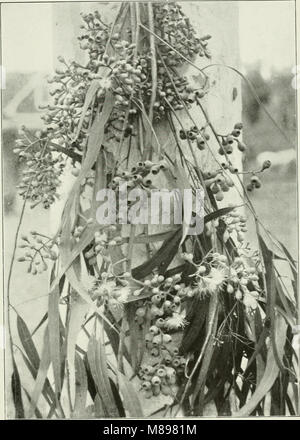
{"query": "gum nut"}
(183, 361)
(174, 350)
(177, 300)
(148, 337)
(215, 188)
(163, 164)
(236, 132)
(230, 289)
(175, 307)
(166, 338)
(167, 304)
(148, 164)
(170, 371)
(177, 277)
(169, 280)
(154, 352)
(233, 169)
(155, 290)
(254, 179)
(160, 279)
(147, 283)
(75, 172)
(176, 362)
(219, 196)
(153, 330)
(238, 126)
(229, 139)
(155, 380)
(258, 184)
(157, 339)
(156, 299)
(266, 164)
(160, 322)
(154, 310)
(146, 385)
(140, 312)
(148, 369)
(167, 359)
(154, 281)
(177, 287)
(200, 143)
(241, 146)
(161, 372)
(238, 295)
(137, 292)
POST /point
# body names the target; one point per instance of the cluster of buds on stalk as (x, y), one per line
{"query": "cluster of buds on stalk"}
(38, 249)
(228, 141)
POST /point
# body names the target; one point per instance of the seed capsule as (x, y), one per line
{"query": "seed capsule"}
(238, 126)
(146, 385)
(141, 312)
(266, 165)
(153, 330)
(166, 338)
(241, 146)
(148, 337)
(160, 322)
(161, 372)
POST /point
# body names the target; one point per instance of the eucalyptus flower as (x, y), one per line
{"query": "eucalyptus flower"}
(213, 282)
(175, 322)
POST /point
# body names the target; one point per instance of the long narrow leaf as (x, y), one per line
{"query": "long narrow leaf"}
(78, 310)
(42, 374)
(81, 388)
(17, 392)
(98, 366)
(131, 401)
(27, 342)
(54, 337)
(271, 371)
